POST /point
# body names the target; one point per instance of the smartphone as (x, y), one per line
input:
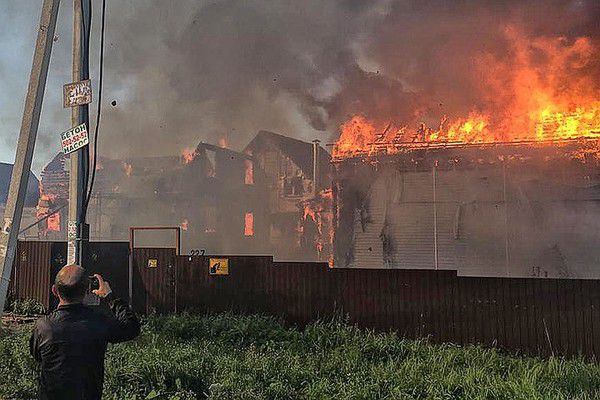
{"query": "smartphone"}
(90, 298)
(94, 283)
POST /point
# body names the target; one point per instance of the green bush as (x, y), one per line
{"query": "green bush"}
(25, 307)
(254, 357)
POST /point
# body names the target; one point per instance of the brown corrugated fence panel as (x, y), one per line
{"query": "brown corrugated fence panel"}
(109, 259)
(31, 273)
(153, 283)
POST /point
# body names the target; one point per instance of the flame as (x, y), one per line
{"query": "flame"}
(53, 222)
(309, 212)
(356, 133)
(249, 224)
(184, 225)
(127, 168)
(188, 154)
(319, 211)
(45, 204)
(49, 197)
(249, 172)
(521, 101)
(223, 143)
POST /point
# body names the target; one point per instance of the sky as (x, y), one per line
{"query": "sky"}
(18, 23)
(148, 76)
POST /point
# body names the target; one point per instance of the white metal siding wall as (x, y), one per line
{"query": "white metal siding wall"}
(368, 225)
(546, 224)
(411, 219)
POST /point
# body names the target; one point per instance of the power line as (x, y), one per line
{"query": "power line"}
(45, 217)
(86, 27)
(99, 109)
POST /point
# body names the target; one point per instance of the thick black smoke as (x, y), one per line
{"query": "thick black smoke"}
(194, 70)
(208, 70)
(438, 58)
(227, 69)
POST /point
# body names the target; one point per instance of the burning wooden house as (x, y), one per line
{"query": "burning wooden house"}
(519, 208)
(206, 191)
(293, 175)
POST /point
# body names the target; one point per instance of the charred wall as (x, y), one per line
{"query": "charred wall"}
(500, 216)
(206, 195)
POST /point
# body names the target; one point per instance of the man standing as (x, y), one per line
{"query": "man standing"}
(70, 343)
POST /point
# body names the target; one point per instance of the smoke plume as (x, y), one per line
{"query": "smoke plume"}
(181, 72)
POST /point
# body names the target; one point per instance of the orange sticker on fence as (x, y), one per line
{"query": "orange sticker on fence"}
(218, 266)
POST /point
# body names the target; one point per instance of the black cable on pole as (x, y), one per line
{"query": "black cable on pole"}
(98, 111)
(86, 25)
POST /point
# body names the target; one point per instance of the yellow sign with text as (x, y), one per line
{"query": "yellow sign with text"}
(218, 266)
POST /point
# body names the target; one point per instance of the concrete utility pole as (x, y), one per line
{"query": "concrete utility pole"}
(75, 232)
(26, 144)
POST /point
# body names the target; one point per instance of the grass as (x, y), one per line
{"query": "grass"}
(254, 357)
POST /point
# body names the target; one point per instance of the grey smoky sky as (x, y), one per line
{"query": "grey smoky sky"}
(188, 71)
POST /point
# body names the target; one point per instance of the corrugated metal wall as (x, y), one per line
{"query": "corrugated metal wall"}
(31, 273)
(538, 316)
(154, 287)
(410, 216)
(38, 262)
(368, 227)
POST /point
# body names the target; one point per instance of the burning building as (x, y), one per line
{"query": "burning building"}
(505, 210)
(459, 197)
(206, 191)
(293, 174)
(489, 166)
(53, 199)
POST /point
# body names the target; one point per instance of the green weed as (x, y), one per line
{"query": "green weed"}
(227, 356)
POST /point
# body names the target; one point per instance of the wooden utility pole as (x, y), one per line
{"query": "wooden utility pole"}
(26, 144)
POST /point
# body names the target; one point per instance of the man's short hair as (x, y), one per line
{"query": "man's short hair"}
(72, 282)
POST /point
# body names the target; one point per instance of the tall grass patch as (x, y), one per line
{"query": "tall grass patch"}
(228, 356)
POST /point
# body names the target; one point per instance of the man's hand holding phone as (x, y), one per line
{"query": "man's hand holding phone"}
(103, 288)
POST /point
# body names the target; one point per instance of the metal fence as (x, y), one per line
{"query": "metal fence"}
(535, 316)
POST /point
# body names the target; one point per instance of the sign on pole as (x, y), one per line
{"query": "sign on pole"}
(74, 139)
(77, 93)
(72, 230)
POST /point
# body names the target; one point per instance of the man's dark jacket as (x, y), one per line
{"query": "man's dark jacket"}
(70, 344)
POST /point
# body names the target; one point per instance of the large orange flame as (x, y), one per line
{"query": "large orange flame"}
(523, 100)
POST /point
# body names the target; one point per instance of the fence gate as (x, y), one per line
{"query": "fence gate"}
(152, 275)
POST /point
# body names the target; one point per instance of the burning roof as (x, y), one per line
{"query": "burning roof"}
(541, 90)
